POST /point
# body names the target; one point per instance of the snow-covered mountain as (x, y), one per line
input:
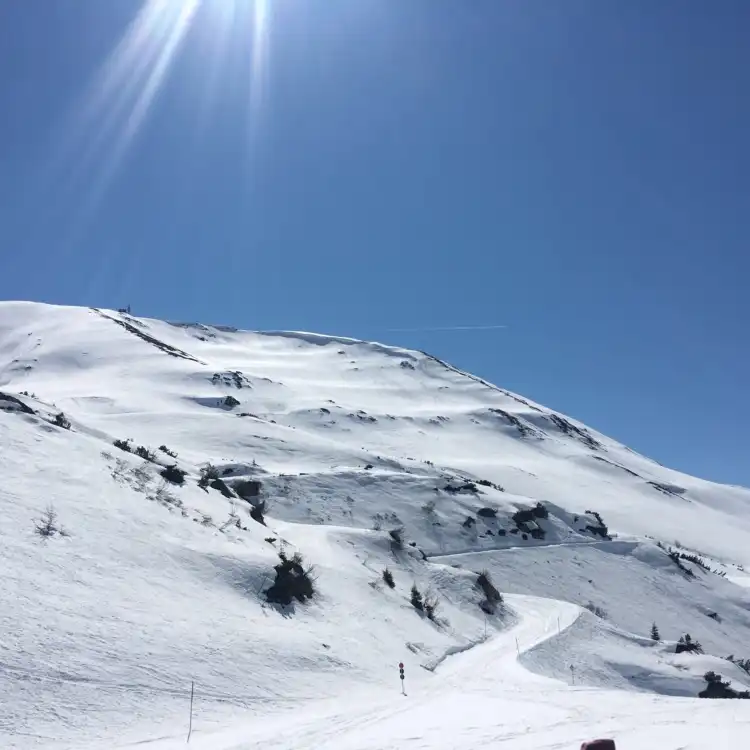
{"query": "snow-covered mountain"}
(360, 457)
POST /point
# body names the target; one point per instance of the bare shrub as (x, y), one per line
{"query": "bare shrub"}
(233, 520)
(163, 496)
(431, 605)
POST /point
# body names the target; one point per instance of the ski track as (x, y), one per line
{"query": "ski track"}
(485, 696)
(538, 621)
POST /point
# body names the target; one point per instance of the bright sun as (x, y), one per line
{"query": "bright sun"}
(128, 83)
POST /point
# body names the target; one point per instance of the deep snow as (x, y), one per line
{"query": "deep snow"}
(105, 628)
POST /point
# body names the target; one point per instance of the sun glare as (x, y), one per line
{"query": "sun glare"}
(125, 89)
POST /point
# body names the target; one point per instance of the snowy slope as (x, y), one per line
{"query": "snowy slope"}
(105, 628)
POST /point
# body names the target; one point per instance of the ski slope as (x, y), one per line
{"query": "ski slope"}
(154, 587)
(485, 696)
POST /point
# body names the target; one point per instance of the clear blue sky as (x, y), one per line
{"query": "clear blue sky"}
(578, 170)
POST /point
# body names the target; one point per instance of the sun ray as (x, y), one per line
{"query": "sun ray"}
(103, 127)
(116, 103)
(158, 73)
(224, 19)
(259, 57)
(257, 82)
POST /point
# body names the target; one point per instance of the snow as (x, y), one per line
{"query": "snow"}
(151, 588)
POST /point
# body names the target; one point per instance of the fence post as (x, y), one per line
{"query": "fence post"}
(190, 726)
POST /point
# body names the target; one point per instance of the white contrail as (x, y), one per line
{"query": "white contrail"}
(446, 328)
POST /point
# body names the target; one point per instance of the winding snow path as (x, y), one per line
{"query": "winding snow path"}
(485, 698)
(471, 688)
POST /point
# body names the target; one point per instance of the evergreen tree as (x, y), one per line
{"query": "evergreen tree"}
(416, 598)
(655, 633)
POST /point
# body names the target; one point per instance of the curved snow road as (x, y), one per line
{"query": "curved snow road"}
(485, 698)
(483, 690)
(618, 546)
(538, 621)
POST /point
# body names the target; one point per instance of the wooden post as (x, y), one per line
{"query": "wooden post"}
(190, 726)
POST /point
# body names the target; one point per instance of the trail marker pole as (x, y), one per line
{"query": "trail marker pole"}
(401, 675)
(190, 726)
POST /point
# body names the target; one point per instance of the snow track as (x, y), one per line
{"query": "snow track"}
(349, 722)
(486, 698)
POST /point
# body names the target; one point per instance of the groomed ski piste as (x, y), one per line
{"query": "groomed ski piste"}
(366, 457)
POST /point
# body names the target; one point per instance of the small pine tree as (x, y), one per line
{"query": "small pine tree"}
(174, 475)
(293, 581)
(123, 445)
(388, 578)
(47, 526)
(62, 421)
(687, 645)
(655, 633)
(416, 598)
(143, 452)
(209, 473)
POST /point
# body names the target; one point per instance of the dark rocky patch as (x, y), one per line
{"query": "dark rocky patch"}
(172, 351)
(580, 433)
(524, 429)
(11, 403)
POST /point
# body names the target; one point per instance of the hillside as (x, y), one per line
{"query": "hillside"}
(359, 456)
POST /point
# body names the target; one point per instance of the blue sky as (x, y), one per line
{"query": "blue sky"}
(578, 171)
